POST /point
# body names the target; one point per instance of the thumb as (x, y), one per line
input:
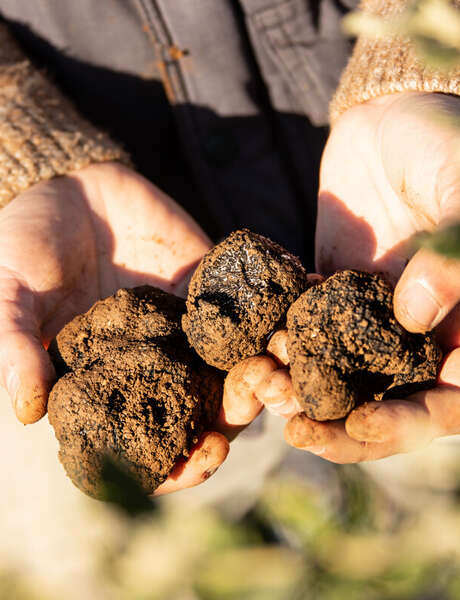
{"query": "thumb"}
(26, 371)
(427, 291)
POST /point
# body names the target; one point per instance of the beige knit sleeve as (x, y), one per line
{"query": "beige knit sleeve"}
(41, 134)
(385, 66)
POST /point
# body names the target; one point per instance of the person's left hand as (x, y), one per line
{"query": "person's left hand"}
(391, 169)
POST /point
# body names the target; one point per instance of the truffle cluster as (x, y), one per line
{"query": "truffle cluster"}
(131, 385)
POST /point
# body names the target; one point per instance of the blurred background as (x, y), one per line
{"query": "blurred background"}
(297, 527)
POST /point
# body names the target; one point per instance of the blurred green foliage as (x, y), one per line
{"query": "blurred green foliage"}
(120, 488)
(432, 25)
(12, 587)
(297, 543)
(445, 241)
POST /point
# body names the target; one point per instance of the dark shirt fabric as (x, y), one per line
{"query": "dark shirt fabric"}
(221, 103)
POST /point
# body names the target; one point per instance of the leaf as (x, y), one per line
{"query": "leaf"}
(119, 487)
(445, 241)
(435, 54)
(360, 23)
(268, 572)
(437, 20)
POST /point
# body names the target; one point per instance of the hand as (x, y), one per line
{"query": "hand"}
(70, 241)
(391, 169)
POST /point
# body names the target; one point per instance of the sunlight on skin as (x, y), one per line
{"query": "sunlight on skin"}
(375, 429)
(328, 440)
(159, 237)
(89, 246)
(380, 183)
(101, 229)
(387, 173)
(205, 458)
(115, 229)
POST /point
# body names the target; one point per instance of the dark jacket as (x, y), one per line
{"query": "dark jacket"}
(222, 103)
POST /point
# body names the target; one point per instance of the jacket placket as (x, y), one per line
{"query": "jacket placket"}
(226, 134)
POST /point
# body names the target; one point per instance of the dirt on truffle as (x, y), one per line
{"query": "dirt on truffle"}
(344, 345)
(129, 386)
(239, 293)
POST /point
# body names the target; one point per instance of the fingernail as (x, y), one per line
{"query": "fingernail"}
(314, 279)
(209, 472)
(12, 386)
(318, 450)
(420, 305)
(276, 408)
(283, 409)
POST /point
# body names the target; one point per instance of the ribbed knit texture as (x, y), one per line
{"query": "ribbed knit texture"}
(385, 66)
(41, 134)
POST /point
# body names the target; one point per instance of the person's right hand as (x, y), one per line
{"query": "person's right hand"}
(390, 170)
(71, 241)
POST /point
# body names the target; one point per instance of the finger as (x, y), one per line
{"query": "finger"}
(277, 394)
(448, 331)
(450, 369)
(26, 371)
(413, 422)
(314, 279)
(405, 424)
(442, 403)
(427, 291)
(330, 441)
(240, 405)
(204, 460)
(277, 347)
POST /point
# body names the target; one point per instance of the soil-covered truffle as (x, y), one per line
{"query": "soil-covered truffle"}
(129, 386)
(238, 294)
(344, 345)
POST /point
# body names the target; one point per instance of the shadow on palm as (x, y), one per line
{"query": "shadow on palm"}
(346, 241)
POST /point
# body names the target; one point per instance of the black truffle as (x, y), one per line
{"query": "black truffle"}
(344, 345)
(239, 293)
(129, 386)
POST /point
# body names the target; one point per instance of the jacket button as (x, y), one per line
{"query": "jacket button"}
(220, 148)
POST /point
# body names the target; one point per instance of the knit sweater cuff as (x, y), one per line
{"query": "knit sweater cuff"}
(386, 66)
(41, 134)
